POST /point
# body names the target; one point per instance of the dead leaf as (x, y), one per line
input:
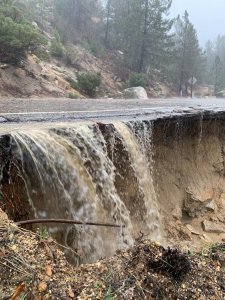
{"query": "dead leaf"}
(49, 251)
(102, 268)
(71, 293)
(42, 287)
(2, 252)
(48, 270)
(20, 289)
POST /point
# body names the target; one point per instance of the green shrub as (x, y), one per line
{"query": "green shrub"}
(96, 48)
(73, 83)
(57, 49)
(72, 95)
(88, 83)
(138, 79)
(42, 54)
(17, 35)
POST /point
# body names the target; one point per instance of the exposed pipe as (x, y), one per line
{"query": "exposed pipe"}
(64, 221)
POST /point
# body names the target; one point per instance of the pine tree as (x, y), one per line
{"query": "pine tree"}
(188, 55)
(219, 79)
(215, 63)
(108, 18)
(141, 31)
(17, 35)
(77, 19)
(56, 45)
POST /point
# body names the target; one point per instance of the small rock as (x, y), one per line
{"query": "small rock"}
(20, 73)
(213, 227)
(3, 66)
(211, 205)
(2, 120)
(206, 238)
(192, 230)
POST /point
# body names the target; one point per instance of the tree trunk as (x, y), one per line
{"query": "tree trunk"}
(107, 23)
(143, 46)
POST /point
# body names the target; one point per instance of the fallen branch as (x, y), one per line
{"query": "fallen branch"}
(63, 221)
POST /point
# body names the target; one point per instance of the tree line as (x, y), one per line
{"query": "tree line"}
(141, 30)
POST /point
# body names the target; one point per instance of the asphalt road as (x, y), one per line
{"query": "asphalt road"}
(89, 105)
(27, 111)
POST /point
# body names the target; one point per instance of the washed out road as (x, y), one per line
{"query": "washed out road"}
(23, 111)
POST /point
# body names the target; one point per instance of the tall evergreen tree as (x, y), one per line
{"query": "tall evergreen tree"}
(188, 58)
(141, 31)
(215, 63)
(77, 19)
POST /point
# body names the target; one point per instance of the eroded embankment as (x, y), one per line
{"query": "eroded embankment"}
(164, 178)
(33, 268)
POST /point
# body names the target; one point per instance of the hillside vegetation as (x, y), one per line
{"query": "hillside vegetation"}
(94, 48)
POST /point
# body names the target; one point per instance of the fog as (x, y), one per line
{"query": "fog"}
(206, 15)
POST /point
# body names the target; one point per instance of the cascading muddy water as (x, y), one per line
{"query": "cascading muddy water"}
(137, 140)
(68, 173)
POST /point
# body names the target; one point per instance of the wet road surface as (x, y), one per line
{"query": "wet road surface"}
(68, 105)
(43, 111)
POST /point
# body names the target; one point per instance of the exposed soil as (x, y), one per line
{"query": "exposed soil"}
(33, 267)
(37, 79)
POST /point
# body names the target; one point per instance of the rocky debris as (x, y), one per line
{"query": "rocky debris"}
(197, 205)
(4, 66)
(193, 230)
(135, 93)
(33, 267)
(213, 227)
(217, 252)
(211, 206)
(222, 201)
(36, 79)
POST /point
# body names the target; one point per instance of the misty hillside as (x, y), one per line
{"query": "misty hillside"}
(93, 48)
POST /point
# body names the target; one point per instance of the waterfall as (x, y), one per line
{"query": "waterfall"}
(140, 151)
(68, 173)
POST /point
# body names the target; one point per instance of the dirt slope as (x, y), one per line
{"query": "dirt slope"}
(36, 78)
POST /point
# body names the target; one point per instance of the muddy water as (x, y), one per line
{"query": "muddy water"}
(138, 145)
(68, 174)
(139, 174)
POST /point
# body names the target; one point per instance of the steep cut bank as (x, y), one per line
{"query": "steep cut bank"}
(163, 178)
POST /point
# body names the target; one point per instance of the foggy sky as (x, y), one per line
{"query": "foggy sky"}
(208, 16)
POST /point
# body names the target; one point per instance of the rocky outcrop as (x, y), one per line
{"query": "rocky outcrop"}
(213, 227)
(197, 205)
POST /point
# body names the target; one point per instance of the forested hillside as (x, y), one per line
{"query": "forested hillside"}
(99, 48)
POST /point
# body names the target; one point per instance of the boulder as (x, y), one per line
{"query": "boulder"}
(135, 93)
(213, 227)
(197, 205)
(220, 94)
